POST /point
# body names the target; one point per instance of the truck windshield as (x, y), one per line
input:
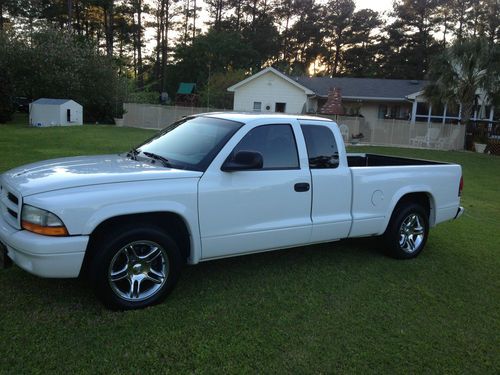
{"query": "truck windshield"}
(190, 143)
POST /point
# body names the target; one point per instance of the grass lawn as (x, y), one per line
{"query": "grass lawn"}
(330, 308)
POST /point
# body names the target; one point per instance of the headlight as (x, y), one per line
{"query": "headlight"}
(42, 222)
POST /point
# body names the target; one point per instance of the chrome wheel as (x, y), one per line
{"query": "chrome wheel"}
(411, 233)
(138, 270)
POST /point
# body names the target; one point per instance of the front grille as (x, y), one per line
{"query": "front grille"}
(13, 198)
(10, 206)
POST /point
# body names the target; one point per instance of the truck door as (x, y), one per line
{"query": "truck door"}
(252, 210)
(331, 182)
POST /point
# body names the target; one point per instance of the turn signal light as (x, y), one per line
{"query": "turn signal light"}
(47, 231)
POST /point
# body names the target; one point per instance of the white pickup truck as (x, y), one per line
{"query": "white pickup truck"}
(213, 186)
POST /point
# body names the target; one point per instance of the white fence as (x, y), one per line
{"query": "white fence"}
(375, 132)
(151, 116)
(402, 133)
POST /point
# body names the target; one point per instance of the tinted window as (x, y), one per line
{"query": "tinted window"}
(276, 143)
(321, 146)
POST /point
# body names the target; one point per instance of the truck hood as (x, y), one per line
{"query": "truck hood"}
(80, 171)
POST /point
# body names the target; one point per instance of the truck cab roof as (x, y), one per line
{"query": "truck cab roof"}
(246, 117)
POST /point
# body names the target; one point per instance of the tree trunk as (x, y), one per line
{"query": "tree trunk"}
(238, 15)
(254, 13)
(338, 46)
(465, 115)
(164, 50)
(108, 27)
(140, 73)
(186, 22)
(1, 15)
(70, 15)
(159, 27)
(77, 18)
(194, 19)
(120, 55)
(286, 36)
(134, 45)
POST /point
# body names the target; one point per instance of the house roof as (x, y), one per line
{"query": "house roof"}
(352, 88)
(364, 88)
(51, 101)
(278, 73)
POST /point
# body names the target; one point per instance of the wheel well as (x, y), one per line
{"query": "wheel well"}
(171, 223)
(422, 199)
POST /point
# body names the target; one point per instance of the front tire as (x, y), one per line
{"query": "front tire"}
(134, 268)
(407, 232)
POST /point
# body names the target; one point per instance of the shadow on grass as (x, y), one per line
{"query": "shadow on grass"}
(29, 292)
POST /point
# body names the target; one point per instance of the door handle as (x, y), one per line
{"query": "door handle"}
(302, 186)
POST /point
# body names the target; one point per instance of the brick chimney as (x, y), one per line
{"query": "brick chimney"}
(333, 105)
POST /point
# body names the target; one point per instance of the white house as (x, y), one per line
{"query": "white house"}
(51, 112)
(270, 91)
(372, 98)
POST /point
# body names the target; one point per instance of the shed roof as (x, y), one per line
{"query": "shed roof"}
(363, 88)
(186, 88)
(51, 101)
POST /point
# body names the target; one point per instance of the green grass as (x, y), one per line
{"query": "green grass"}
(330, 308)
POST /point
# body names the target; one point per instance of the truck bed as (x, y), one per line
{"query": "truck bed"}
(377, 189)
(374, 160)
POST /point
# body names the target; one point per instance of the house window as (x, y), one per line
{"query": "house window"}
(382, 111)
(257, 106)
(68, 115)
(422, 109)
(280, 107)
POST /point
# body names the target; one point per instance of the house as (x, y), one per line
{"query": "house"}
(51, 112)
(371, 98)
(272, 91)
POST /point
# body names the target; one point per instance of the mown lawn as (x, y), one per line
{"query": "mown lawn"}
(330, 308)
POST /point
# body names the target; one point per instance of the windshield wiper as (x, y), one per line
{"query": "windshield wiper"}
(151, 155)
(132, 154)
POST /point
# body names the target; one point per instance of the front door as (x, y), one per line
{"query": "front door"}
(247, 211)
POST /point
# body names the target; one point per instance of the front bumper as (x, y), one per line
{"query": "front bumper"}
(44, 256)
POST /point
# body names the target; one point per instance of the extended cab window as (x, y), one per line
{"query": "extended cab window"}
(321, 146)
(276, 143)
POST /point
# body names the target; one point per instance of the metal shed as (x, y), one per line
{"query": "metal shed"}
(55, 112)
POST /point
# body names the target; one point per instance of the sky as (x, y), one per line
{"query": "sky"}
(378, 5)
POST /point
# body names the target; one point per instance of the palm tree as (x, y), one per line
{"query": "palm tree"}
(461, 72)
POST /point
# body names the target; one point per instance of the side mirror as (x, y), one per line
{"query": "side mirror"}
(243, 161)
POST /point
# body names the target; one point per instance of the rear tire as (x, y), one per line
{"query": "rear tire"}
(407, 232)
(134, 267)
